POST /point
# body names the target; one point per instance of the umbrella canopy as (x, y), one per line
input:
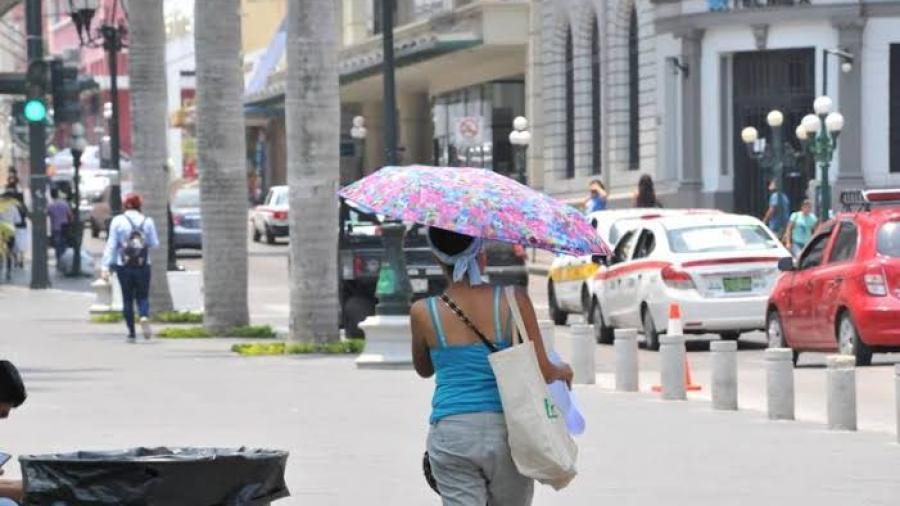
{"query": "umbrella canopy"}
(476, 202)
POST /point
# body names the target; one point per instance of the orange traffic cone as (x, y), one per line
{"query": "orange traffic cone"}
(675, 327)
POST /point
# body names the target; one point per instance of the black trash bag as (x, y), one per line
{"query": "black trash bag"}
(156, 476)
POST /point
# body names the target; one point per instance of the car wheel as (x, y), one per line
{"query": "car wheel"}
(270, 236)
(256, 235)
(730, 336)
(775, 334)
(603, 334)
(95, 229)
(586, 305)
(558, 316)
(651, 335)
(849, 342)
(355, 310)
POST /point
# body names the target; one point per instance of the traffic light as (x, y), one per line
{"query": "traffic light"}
(35, 111)
(66, 91)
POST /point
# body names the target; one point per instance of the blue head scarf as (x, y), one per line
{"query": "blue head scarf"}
(463, 263)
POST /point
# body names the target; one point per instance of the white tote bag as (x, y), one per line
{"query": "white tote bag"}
(538, 438)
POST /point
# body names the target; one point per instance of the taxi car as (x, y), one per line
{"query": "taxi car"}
(569, 287)
(843, 292)
(270, 219)
(718, 267)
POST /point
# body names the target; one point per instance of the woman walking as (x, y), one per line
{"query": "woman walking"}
(131, 235)
(467, 443)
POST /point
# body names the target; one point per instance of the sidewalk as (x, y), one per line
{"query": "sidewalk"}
(357, 436)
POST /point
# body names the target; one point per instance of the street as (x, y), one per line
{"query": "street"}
(356, 436)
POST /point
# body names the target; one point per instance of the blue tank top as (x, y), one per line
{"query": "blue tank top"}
(464, 381)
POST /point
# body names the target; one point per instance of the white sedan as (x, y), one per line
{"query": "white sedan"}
(569, 287)
(719, 268)
(271, 218)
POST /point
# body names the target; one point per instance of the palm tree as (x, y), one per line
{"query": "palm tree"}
(147, 76)
(313, 129)
(221, 159)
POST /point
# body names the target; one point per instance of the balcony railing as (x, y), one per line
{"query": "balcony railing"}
(728, 5)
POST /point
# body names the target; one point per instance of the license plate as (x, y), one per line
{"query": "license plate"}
(419, 285)
(741, 284)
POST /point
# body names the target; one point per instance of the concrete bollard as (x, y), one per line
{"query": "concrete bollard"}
(626, 349)
(897, 395)
(724, 375)
(548, 334)
(841, 392)
(780, 383)
(672, 354)
(583, 350)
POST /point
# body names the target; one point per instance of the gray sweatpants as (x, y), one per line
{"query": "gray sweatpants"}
(471, 462)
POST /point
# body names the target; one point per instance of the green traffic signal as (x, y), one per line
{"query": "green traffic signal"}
(35, 110)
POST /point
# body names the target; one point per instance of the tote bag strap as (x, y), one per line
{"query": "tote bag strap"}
(517, 315)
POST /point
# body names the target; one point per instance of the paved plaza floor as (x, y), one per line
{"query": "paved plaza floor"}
(357, 436)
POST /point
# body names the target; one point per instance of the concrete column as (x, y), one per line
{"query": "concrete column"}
(415, 128)
(373, 112)
(626, 348)
(548, 334)
(724, 375)
(691, 99)
(849, 103)
(897, 397)
(841, 392)
(672, 354)
(355, 21)
(582, 360)
(780, 383)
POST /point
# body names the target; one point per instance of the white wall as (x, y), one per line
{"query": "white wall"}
(878, 35)
(730, 39)
(668, 98)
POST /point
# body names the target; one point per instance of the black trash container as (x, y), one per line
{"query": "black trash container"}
(156, 476)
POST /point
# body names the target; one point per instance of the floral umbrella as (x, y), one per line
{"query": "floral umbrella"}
(476, 202)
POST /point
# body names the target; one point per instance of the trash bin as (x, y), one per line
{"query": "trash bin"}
(156, 476)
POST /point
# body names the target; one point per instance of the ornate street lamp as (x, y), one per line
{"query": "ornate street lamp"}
(111, 38)
(771, 156)
(77, 145)
(819, 136)
(358, 132)
(520, 137)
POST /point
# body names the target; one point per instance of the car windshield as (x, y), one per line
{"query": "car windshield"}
(889, 239)
(720, 238)
(187, 198)
(279, 198)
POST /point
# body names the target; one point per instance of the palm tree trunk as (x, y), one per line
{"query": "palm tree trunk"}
(221, 160)
(147, 76)
(313, 129)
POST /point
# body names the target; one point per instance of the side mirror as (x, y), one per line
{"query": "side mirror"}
(594, 223)
(599, 260)
(786, 264)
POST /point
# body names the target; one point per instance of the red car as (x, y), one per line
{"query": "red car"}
(843, 292)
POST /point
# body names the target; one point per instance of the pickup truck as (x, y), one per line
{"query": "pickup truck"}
(360, 256)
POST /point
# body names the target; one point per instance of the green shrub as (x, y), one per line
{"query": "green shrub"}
(184, 333)
(254, 331)
(258, 349)
(107, 318)
(178, 317)
(350, 346)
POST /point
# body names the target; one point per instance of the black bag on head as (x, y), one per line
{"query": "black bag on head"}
(134, 249)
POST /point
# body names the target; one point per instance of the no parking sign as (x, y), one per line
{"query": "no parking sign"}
(468, 130)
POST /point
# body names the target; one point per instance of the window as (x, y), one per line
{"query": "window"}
(634, 148)
(645, 246)
(596, 168)
(845, 245)
(889, 239)
(812, 257)
(624, 248)
(721, 238)
(570, 108)
(894, 108)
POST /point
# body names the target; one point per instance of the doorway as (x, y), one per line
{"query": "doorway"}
(764, 80)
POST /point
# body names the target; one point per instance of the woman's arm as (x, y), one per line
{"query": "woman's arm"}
(11, 489)
(551, 371)
(418, 317)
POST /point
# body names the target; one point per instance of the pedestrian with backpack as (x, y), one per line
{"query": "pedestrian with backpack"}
(131, 235)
